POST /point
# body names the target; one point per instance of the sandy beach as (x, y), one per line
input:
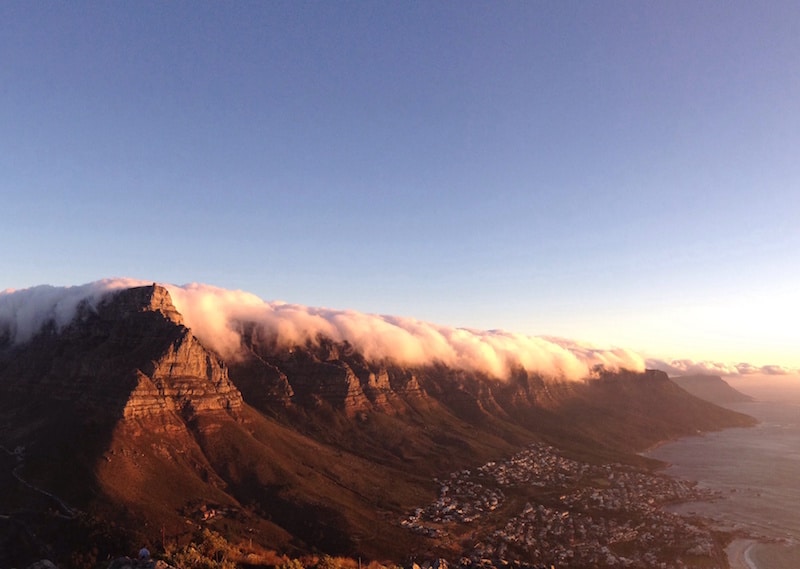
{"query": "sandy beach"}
(750, 554)
(738, 554)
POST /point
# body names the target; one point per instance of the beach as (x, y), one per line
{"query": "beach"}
(750, 554)
(739, 554)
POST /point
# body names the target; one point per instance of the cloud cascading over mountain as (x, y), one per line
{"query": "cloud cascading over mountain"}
(215, 316)
(24, 312)
(691, 367)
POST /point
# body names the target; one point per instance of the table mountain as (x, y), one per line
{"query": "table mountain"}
(711, 388)
(123, 428)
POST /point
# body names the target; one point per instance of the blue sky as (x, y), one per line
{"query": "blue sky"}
(616, 172)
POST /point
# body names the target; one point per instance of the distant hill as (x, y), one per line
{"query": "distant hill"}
(711, 388)
(123, 428)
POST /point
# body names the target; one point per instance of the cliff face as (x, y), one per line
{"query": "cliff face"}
(326, 373)
(181, 375)
(130, 357)
(186, 379)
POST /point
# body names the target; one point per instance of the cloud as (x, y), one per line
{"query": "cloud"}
(691, 367)
(215, 316)
(24, 312)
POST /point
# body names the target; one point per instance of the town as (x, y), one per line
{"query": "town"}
(542, 509)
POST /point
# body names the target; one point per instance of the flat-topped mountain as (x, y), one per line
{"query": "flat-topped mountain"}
(711, 388)
(122, 427)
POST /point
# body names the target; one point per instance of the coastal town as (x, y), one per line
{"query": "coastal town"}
(539, 508)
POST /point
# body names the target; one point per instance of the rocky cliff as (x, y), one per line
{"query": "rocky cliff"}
(131, 356)
(319, 373)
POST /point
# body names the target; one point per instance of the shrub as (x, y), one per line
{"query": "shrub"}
(291, 564)
(211, 551)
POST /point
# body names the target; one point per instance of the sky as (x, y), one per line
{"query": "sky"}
(619, 173)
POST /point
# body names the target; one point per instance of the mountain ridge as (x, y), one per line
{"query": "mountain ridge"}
(711, 388)
(313, 446)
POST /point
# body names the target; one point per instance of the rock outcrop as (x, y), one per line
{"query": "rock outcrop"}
(323, 373)
(132, 356)
(185, 378)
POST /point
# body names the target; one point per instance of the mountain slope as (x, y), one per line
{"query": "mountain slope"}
(126, 416)
(711, 388)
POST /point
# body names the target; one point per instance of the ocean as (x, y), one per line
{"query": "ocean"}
(756, 472)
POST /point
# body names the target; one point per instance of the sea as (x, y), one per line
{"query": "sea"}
(755, 473)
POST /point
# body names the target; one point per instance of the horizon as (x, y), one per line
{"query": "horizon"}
(618, 175)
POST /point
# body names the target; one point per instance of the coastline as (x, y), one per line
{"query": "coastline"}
(663, 465)
(751, 554)
(739, 554)
(763, 531)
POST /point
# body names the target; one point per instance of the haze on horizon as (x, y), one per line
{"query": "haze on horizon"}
(618, 174)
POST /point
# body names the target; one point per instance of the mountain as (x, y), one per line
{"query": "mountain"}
(711, 388)
(122, 428)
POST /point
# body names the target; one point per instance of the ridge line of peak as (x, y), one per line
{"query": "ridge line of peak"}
(154, 297)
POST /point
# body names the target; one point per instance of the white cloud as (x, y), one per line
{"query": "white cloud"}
(24, 312)
(692, 367)
(215, 315)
